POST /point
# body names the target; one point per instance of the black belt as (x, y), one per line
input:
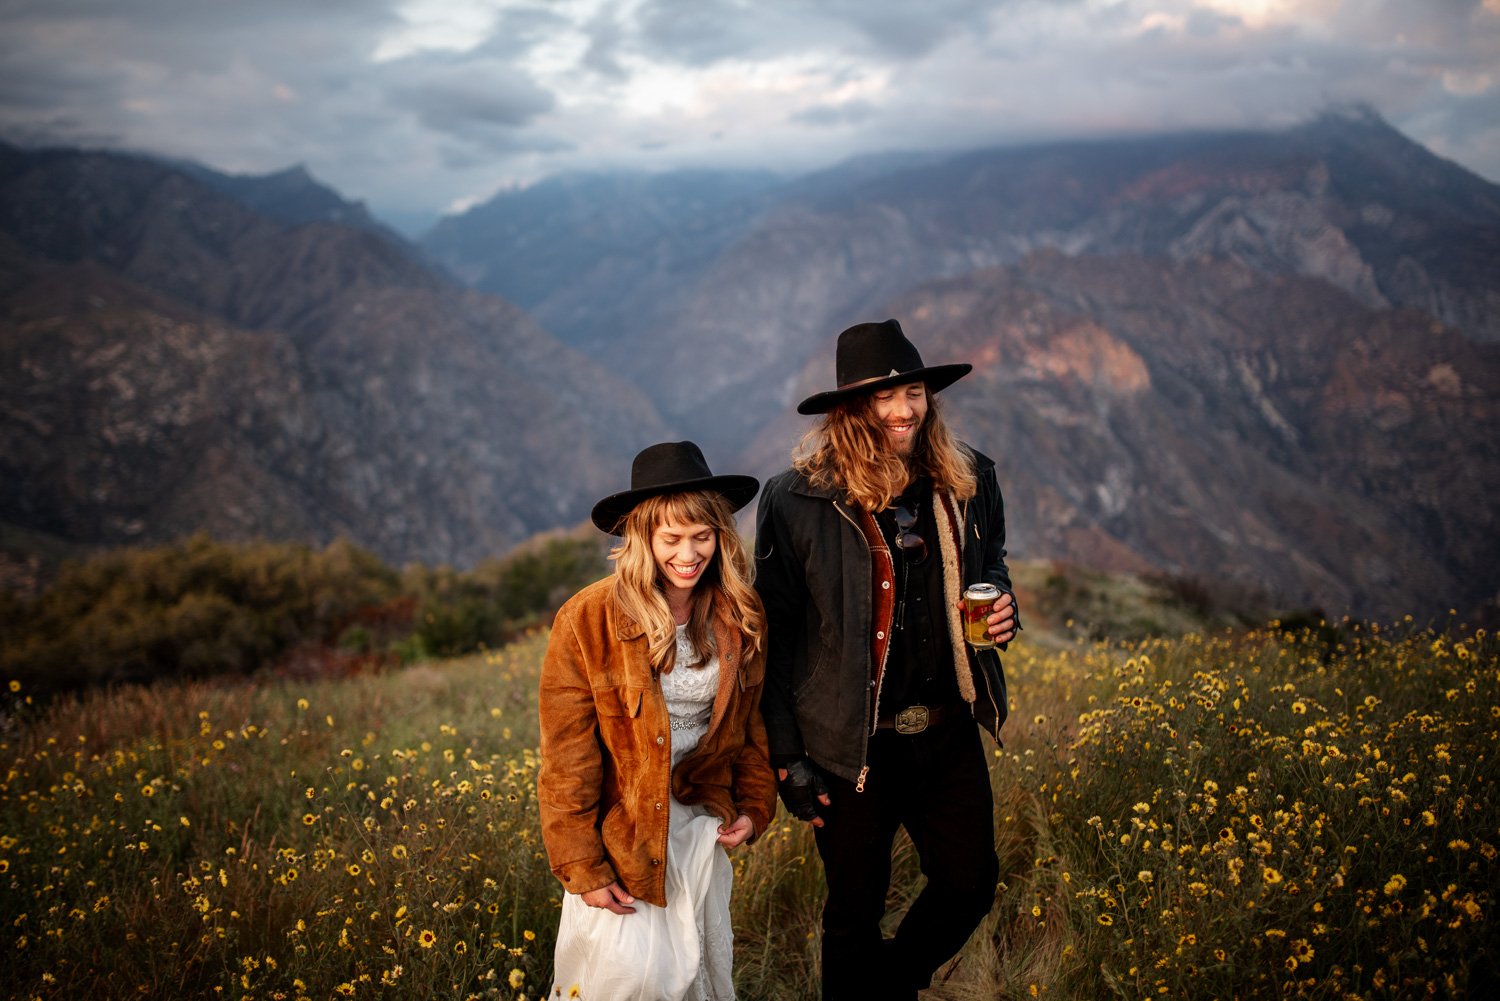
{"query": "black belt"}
(915, 719)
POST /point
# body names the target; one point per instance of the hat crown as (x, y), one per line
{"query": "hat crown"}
(671, 467)
(668, 463)
(874, 351)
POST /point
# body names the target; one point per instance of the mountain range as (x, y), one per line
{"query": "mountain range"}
(1267, 357)
(174, 360)
(752, 285)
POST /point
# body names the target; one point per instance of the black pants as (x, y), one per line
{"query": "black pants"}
(936, 785)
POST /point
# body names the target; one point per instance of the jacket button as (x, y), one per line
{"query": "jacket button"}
(656, 861)
(885, 585)
(658, 806)
(880, 635)
(660, 739)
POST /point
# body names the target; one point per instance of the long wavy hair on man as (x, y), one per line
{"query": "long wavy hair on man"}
(847, 451)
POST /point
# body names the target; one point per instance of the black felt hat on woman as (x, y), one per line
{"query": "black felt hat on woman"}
(875, 356)
(672, 467)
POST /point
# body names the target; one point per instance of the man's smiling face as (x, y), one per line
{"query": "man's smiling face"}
(900, 410)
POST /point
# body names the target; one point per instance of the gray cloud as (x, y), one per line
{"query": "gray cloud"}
(605, 36)
(415, 117)
(469, 95)
(700, 32)
(521, 29)
(146, 70)
(1210, 23)
(703, 32)
(908, 31)
(470, 155)
(822, 115)
(35, 83)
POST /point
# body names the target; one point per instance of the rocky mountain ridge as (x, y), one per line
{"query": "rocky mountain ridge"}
(1264, 357)
(1345, 198)
(1202, 418)
(175, 361)
(1185, 344)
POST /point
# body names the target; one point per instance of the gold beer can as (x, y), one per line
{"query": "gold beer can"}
(979, 602)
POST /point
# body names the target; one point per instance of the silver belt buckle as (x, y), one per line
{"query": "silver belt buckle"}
(911, 720)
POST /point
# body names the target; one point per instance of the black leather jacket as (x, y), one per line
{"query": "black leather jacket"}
(815, 571)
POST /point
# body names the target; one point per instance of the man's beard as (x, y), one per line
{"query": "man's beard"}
(914, 458)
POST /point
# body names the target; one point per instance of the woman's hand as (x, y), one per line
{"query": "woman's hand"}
(735, 834)
(612, 898)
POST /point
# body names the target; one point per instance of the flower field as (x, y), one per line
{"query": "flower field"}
(1245, 815)
(1263, 816)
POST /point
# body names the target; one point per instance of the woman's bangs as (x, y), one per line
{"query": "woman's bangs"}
(693, 508)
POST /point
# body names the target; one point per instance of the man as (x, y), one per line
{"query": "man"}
(863, 550)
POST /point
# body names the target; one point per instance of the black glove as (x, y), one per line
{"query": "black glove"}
(801, 788)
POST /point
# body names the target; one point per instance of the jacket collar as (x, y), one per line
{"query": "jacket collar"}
(623, 628)
(802, 485)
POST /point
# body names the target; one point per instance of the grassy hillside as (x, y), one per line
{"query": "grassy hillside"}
(1260, 814)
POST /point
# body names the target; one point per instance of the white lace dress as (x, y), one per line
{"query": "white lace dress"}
(681, 952)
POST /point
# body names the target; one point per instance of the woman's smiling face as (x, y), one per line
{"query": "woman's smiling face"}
(682, 552)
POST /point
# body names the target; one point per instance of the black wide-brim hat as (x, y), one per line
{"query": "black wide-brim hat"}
(672, 467)
(875, 356)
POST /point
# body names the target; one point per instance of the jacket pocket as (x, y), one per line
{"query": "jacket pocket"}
(618, 833)
(803, 685)
(619, 701)
(752, 671)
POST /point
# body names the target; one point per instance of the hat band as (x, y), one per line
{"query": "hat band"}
(874, 378)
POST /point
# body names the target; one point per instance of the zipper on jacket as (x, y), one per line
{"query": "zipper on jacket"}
(874, 701)
(996, 707)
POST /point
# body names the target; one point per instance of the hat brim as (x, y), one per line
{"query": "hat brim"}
(936, 377)
(609, 514)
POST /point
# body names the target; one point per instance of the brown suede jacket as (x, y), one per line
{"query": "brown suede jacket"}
(606, 748)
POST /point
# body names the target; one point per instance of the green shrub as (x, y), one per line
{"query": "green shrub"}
(460, 613)
(190, 609)
(198, 608)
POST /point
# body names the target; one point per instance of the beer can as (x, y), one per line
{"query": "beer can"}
(979, 602)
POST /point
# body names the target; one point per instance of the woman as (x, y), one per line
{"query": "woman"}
(653, 751)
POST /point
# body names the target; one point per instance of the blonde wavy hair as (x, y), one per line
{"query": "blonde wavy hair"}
(727, 578)
(848, 451)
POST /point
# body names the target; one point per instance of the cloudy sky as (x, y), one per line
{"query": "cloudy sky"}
(424, 106)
